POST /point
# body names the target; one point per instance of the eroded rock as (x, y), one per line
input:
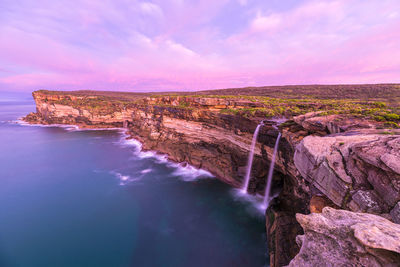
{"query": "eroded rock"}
(199, 135)
(345, 238)
(356, 171)
(395, 213)
(315, 122)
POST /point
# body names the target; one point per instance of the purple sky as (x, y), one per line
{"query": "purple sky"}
(196, 44)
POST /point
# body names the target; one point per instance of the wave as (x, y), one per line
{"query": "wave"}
(145, 171)
(124, 179)
(124, 142)
(8, 121)
(127, 141)
(158, 157)
(77, 129)
(188, 173)
(184, 171)
(67, 127)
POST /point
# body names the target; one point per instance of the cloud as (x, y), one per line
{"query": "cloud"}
(242, 2)
(263, 23)
(174, 44)
(151, 9)
(179, 48)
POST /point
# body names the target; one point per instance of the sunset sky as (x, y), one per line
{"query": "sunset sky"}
(196, 44)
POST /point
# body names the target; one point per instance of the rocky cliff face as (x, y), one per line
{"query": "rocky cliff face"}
(196, 132)
(345, 159)
(358, 172)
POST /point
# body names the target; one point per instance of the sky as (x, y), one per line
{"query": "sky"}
(158, 45)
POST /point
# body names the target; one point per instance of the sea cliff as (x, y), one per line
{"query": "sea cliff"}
(333, 152)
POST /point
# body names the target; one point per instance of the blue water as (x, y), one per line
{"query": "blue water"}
(90, 198)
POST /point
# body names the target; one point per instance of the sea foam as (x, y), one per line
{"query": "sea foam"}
(257, 204)
(188, 173)
(67, 127)
(124, 179)
(184, 171)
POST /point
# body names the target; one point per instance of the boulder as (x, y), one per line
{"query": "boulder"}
(344, 238)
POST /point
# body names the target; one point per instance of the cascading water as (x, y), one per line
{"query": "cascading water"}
(271, 172)
(250, 159)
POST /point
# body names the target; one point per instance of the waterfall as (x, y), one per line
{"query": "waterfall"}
(271, 172)
(250, 159)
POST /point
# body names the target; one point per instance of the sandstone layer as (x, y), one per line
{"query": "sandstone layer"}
(344, 238)
(346, 159)
(358, 172)
(198, 135)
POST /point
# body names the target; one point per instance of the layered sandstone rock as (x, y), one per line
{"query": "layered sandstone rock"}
(344, 238)
(359, 172)
(188, 129)
(331, 124)
(318, 155)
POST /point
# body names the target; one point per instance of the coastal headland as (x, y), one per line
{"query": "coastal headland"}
(337, 167)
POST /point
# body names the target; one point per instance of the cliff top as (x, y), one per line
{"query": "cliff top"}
(380, 102)
(341, 91)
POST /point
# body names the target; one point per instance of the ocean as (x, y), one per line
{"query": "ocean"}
(71, 197)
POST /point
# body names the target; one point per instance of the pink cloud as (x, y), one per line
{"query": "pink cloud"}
(174, 45)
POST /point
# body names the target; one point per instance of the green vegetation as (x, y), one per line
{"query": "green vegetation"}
(271, 107)
(99, 105)
(391, 124)
(375, 102)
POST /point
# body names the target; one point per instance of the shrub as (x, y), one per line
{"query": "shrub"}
(392, 116)
(378, 118)
(379, 104)
(392, 124)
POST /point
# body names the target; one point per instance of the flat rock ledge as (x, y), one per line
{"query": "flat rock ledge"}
(344, 238)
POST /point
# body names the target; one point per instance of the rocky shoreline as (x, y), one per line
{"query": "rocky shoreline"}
(339, 161)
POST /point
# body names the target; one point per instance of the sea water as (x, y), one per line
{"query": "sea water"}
(91, 198)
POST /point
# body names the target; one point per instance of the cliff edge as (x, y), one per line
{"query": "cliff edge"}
(343, 150)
